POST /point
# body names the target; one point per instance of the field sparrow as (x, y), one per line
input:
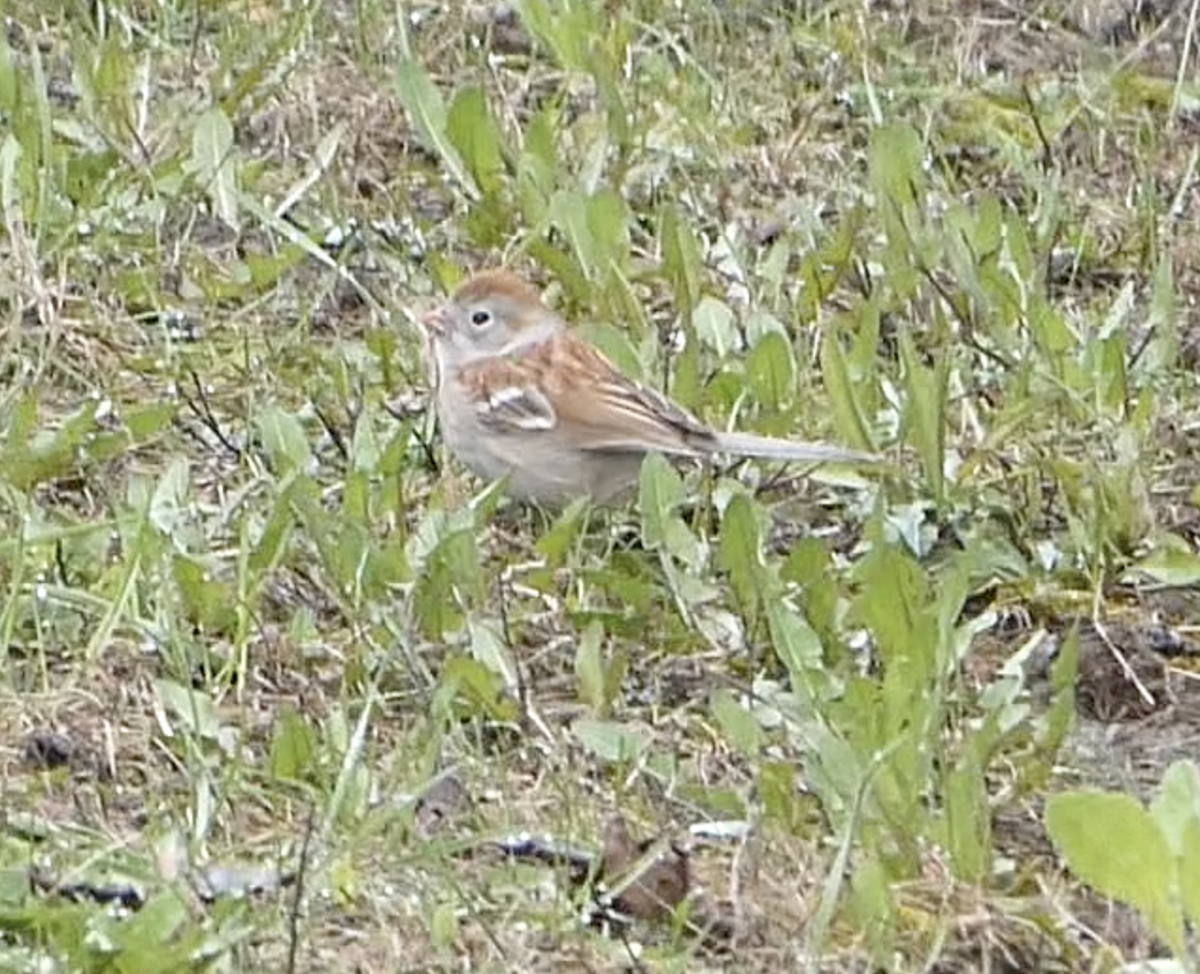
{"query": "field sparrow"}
(520, 395)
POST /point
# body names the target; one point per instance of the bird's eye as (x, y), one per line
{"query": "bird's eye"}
(480, 318)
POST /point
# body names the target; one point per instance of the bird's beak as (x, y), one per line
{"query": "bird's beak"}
(436, 322)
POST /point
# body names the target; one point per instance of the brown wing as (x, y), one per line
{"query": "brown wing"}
(587, 393)
(516, 407)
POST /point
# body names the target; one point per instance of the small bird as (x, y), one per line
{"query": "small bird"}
(519, 395)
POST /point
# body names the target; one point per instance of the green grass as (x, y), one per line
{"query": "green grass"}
(265, 610)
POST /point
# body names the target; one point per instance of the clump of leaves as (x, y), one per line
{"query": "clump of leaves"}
(1147, 857)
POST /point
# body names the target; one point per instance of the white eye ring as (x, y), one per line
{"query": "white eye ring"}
(480, 318)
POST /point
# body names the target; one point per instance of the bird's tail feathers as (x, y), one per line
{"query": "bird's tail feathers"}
(794, 451)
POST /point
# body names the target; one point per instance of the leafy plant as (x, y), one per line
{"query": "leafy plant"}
(1154, 866)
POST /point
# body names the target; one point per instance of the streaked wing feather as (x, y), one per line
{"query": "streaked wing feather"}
(615, 413)
(516, 407)
(618, 413)
(627, 415)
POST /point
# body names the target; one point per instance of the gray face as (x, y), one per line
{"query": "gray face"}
(464, 333)
(479, 328)
(471, 331)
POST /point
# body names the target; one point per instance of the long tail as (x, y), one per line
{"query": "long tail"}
(797, 451)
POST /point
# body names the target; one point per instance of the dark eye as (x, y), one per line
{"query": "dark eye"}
(479, 318)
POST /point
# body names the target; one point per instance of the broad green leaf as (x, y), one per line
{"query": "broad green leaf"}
(781, 801)
(895, 173)
(608, 222)
(893, 602)
(688, 383)
(688, 582)
(741, 728)
(168, 503)
(33, 451)
(356, 497)
(1138, 869)
(1061, 715)
(469, 688)
(583, 39)
(293, 747)
(615, 343)
(538, 171)
(565, 28)
(740, 554)
(865, 327)
(835, 377)
(1189, 871)
(275, 54)
(771, 369)
(9, 78)
(809, 566)
(214, 162)
(444, 925)
(559, 541)
(925, 413)
(795, 643)
(490, 649)
(953, 589)
(614, 674)
(632, 582)
(451, 582)
(593, 157)
(759, 323)
(1170, 566)
(268, 546)
(597, 229)
(146, 940)
(1111, 381)
(968, 819)
(1162, 351)
(568, 212)
(660, 492)
(427, 111)
(623, 303)
(607, 71)
(1177, 804)
(610, 741)
(682, 263)
(365, 449)
(874, 909)
(146, 420)
(589, 667)
(207, 601)
(1051, 333)
(283, 437)
(191, 707)
(987, 232)
(1019, 248)
(473, 132)
(322, 158)
(715, 325)
(837, 773)
(894, 165)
